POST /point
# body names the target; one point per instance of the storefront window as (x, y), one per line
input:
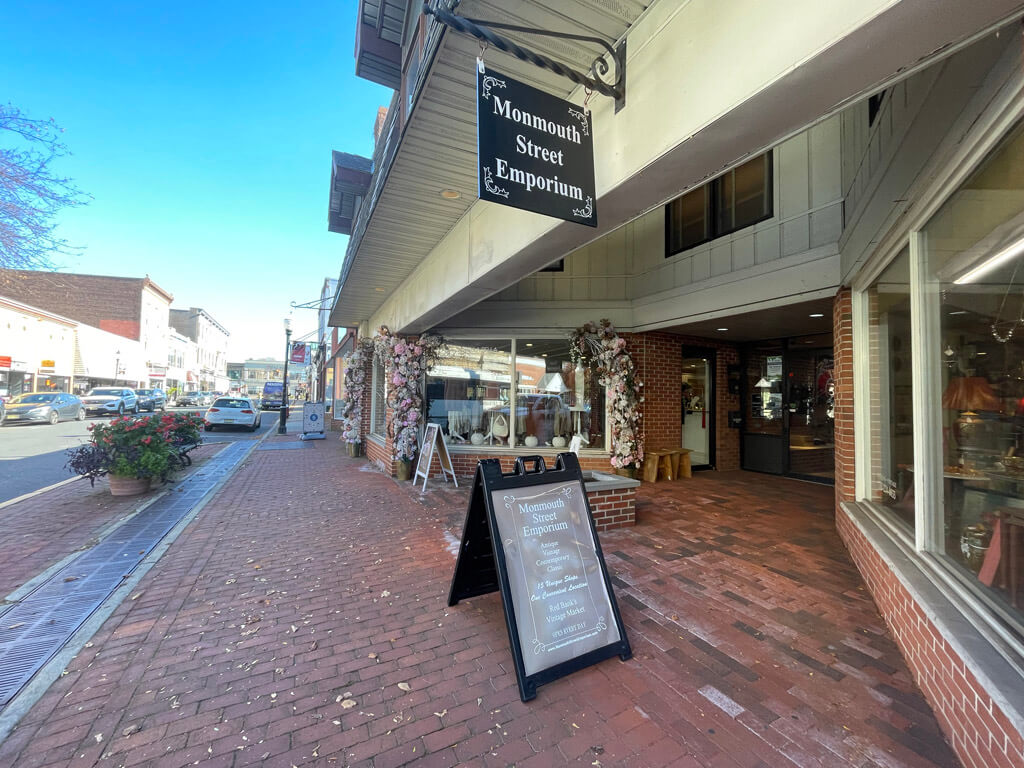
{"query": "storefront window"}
(468, 391)
(471, 387)
(556, 400)
(891, 403)
(974, 256)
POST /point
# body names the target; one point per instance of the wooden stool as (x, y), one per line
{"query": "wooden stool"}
(651, 461)
(666, 464)
(677, 466)
(685, 469)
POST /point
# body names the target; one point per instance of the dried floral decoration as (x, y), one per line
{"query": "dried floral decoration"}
(405, 362)
(599, 344)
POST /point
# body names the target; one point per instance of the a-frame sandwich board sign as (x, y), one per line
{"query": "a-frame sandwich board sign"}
(530, 535)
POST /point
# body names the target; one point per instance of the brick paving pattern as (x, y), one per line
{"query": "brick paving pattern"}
(301, 619)
(40, 531)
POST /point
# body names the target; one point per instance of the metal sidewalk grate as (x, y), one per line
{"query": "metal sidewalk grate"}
(282, 446)
(39, 625)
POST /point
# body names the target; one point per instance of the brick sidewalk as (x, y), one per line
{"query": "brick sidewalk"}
(300, 619)
(39, 531)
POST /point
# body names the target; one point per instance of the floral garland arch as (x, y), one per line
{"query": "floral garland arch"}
(600, 342)
(406, 362)
(355, 391)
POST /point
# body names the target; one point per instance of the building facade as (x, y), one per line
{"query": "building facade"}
(812, 256)
(211, 341)
(130, 307)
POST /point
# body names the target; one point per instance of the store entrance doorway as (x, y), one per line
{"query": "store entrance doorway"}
(698, 406)
(789, 398)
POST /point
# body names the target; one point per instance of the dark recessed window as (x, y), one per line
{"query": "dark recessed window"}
(875, 106)
(735, 200)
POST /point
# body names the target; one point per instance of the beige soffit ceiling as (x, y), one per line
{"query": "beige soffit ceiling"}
(438, 148)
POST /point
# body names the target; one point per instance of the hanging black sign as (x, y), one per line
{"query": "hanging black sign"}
(530, 535)
(535, 151)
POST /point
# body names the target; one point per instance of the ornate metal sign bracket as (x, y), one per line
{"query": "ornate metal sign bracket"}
(479, 29)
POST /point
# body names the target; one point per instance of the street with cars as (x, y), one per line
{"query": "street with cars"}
(38, 428)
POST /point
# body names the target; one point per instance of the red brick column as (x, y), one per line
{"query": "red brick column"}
(842, 329)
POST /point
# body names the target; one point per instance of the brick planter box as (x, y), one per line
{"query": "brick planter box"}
(612, 499)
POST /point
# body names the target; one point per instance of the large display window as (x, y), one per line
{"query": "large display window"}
(947, 437)
(514, 393)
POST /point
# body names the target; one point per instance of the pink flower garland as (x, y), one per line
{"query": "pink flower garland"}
(405, 363)
(601, 343)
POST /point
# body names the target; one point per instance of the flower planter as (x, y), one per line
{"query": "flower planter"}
(404, 469)
(355, 449)
(629, 472)
(121, 485)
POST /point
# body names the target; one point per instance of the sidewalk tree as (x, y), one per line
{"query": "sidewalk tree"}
(31, 193)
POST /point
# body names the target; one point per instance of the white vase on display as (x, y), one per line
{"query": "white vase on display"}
(477, 438)
(558, 441)
(530, 441)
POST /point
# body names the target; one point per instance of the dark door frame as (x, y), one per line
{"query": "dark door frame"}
(711, 354)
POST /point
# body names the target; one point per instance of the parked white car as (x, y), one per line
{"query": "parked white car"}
(233, 412)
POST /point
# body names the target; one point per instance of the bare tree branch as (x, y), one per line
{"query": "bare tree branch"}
(31, 194)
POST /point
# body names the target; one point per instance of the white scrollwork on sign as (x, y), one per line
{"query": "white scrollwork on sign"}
(567, 491)
(490, 82)
(583, 120)
(493, 188)
(586, 211)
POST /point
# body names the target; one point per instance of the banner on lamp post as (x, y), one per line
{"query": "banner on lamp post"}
(298, 353)
(534, 150)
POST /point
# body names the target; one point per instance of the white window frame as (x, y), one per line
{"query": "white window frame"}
(929, 515)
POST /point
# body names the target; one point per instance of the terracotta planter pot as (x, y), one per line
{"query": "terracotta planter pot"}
(128, 486)
(404, 471)
(355, 449)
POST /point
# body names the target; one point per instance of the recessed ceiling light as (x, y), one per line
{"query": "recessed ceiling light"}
(450, 194)
(982, 353)
(721, 329)
(529, 343)
(817, 314)
(379, 290)
(543, 354)
(959, 312)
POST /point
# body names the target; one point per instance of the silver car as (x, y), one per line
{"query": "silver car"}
(109, 401)
(49, 407)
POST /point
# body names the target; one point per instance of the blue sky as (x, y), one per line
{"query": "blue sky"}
(204, 132)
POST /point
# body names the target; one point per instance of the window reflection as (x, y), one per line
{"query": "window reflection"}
(470, 390)
(556, 400)
(891, 405)
(975, 271)
(468, 387)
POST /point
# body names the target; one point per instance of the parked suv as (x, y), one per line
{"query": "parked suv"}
(110, 401)
(151, 399)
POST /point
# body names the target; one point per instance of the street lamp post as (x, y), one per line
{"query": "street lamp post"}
(282, 426)
(117, 364)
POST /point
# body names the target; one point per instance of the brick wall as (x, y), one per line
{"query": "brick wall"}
(113, 304)
(842, 329)
(613, 509)
(972, 721)
(659, 360)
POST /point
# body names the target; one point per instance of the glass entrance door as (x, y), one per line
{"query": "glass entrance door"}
(809, 405)
(764, 438)
(698, 389)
